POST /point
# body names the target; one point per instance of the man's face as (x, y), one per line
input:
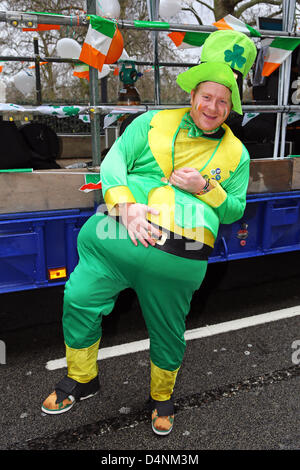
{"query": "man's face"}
(210, 105)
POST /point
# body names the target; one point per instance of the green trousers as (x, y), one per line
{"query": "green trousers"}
(109, 263)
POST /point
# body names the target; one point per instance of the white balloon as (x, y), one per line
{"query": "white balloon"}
(68, 48)
(169, 8)
(24, 81)
(108, 8)
(105, 71)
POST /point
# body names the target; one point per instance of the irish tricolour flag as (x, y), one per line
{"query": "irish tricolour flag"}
(278, 51)
(81, 71)
(97, 41)
(188, 39)
(230, 22)
(92, 183)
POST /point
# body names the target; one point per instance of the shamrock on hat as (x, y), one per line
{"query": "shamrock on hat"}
(231, 47)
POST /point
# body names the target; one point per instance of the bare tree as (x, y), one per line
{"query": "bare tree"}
(242, 9)
(58, 82)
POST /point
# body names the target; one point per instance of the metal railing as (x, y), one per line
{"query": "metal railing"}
(95, 109)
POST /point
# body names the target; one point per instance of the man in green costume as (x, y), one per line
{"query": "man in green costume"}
(168, 182)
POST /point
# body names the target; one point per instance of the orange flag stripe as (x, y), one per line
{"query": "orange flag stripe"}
(85, 74)
(33, 66)
(43, 27)
(268, 68)
(91, 56)
(177, 37)
(221, 24)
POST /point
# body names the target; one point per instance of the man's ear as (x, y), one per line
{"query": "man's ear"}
(192, 96)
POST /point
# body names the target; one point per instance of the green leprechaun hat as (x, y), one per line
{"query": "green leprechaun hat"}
(212, 72)
(231, 47)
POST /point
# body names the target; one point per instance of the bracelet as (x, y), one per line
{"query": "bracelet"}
(204, 190)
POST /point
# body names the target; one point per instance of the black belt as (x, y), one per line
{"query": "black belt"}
(178, 245)
(182, 246)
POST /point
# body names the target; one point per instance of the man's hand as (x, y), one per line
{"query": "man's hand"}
(138, 227)
(188, 179)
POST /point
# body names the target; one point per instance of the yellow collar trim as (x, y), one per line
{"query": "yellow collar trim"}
(164, 128)
(164, 123)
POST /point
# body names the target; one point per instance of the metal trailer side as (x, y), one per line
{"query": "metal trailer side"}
(38, 248)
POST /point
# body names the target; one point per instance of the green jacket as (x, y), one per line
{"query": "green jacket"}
(146, 152)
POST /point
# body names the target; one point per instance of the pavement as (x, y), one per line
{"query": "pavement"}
(237, 390)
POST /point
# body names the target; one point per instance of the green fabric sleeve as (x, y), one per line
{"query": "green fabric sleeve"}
(233, 207)
(124, 153)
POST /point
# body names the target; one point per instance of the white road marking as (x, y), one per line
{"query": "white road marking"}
(203, 332)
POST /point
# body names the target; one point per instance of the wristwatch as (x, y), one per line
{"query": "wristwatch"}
(205, 189)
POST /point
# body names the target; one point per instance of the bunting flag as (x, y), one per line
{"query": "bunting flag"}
(247, 117)
(97, 42)
(81, 71)
(292, 117)
(110, 119)
(188, 39)
(86, 188)
(278, 51)
(230, 22)
(43, 27)
(33, 66)
(92, 183)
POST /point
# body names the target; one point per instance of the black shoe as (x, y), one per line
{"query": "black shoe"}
(67, 392)
(162, 416)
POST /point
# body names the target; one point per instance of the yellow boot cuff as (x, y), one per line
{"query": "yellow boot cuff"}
(82, 363)
(162, 382)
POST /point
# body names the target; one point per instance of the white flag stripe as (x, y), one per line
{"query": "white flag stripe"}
(277, 56)
(97, 40)
(236, 24)
(81, 68)
(185, 45)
